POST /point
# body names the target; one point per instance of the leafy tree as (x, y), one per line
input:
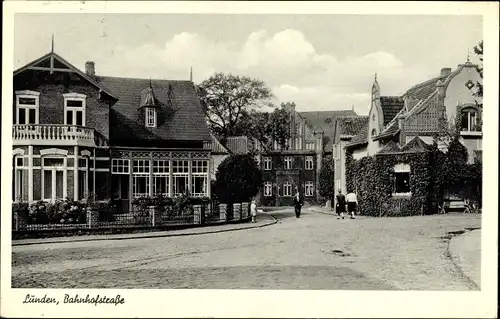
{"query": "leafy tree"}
(478, 88)
(326, 187)
(238, 179)
(227, 98)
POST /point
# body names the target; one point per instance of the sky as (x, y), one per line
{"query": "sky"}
(320, 62)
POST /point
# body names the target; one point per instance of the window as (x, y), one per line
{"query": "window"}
(20, 178)
(309, 162)
(402, 179)
(120, 166)
(180, 171)
(287, 189)
(74, 109)
(309, 189)
(469, 120)
(140, 178)
(150, 117)
(374, 132)
(298, 143)
(297, 129)
(199, 178)
(267, 163)
(288, 162)
(268, 189)
(27, 107)
(161, 176)
(82, 178)
(310, 145)
(53, 177)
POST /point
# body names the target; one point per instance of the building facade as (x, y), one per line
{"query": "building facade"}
(77, 134)
(411, 122)
(296, 165)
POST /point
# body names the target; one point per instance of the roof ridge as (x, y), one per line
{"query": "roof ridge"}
(426, 82)
(136, 78)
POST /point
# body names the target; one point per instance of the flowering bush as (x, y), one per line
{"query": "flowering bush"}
(61, 212)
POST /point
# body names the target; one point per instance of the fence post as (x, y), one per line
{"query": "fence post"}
(152, 215)
(237, 211)
(92, 216)
(197, 214)
(244, 210)
(222, 212)
(16, 221)
(202, 213)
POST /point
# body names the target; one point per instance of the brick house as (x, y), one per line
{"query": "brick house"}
(409, 123)
(295, 166)
(76, 133)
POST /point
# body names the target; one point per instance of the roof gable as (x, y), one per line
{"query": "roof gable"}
(415, 145)
(52, 62)
(361, 138)
(350, 125)
(391, 105)
(217, 147)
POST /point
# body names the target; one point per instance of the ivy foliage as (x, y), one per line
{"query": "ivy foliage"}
(238, 179)
(326, 187)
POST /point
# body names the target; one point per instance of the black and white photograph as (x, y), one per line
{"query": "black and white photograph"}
(249, 153)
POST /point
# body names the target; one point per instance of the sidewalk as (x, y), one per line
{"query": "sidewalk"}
(262, 220)
(465, 250)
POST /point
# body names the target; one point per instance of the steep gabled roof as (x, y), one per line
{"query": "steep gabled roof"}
(183, 118)
(325, 121)
(389, 148)
(415, 145)
(361, 138)
(54, 61)
(422, 90)
(350, 125)
(391, 105)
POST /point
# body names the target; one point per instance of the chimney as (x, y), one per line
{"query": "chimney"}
(90, 68)
(445, 71)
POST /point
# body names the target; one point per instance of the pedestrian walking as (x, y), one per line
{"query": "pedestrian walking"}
(253, 211)
(340, 204)
(352, 203)
(297, 203)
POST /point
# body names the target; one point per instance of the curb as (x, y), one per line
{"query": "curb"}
(274, 221)
(453, 255)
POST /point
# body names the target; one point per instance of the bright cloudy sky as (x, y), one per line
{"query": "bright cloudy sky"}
(322, 62)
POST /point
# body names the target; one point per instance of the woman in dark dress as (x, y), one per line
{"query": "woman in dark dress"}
(297, 203)
(340, 204)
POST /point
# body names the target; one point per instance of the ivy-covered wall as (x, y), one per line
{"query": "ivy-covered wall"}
(373, 179)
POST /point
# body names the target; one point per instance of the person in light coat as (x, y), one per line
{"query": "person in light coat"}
(352, 203)
(253, 211)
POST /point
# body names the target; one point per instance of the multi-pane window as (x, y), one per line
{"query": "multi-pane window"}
(82, 178)
(469, 120)
(27, 107)
(74, 109)
(267, 163)
(298, 143)
(288, 162)
(310, 145)
(287, 189)
(180, 171)
(20, 178)
(309, 162)
(120, 166)
(199, 178)
(268, 189)
(161, 176)
(53, 175)
(309, 188)
(140, 178)
(150, 117)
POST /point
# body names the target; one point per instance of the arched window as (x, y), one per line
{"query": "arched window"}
(469, 119)
(374, 132)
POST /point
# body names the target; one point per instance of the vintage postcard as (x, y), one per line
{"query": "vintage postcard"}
(241, 159)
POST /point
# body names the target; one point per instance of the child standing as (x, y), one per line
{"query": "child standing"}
(253, 211)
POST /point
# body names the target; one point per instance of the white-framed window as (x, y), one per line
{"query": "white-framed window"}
(310, 145)
(287, 189)
(180, 172)
(268, 189)
(74, 109)
(53, 178)
(161, 177)
(267, 163)
(140, 178)
(469, 120)
(309, 189)
(288, 162)
(83, 186)
(27, 107)
(298, 143)
(309, 162)
(199, 178)
(150, 117)
(120, 166)
(20, 178)
(402, 180)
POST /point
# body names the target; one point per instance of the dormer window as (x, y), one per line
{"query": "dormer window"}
(74, 109)
(150, 117)
(469, 120)
(27, 107)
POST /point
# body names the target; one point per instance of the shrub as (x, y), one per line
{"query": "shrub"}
(238, 179)
(61, 212)
(326, 187)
